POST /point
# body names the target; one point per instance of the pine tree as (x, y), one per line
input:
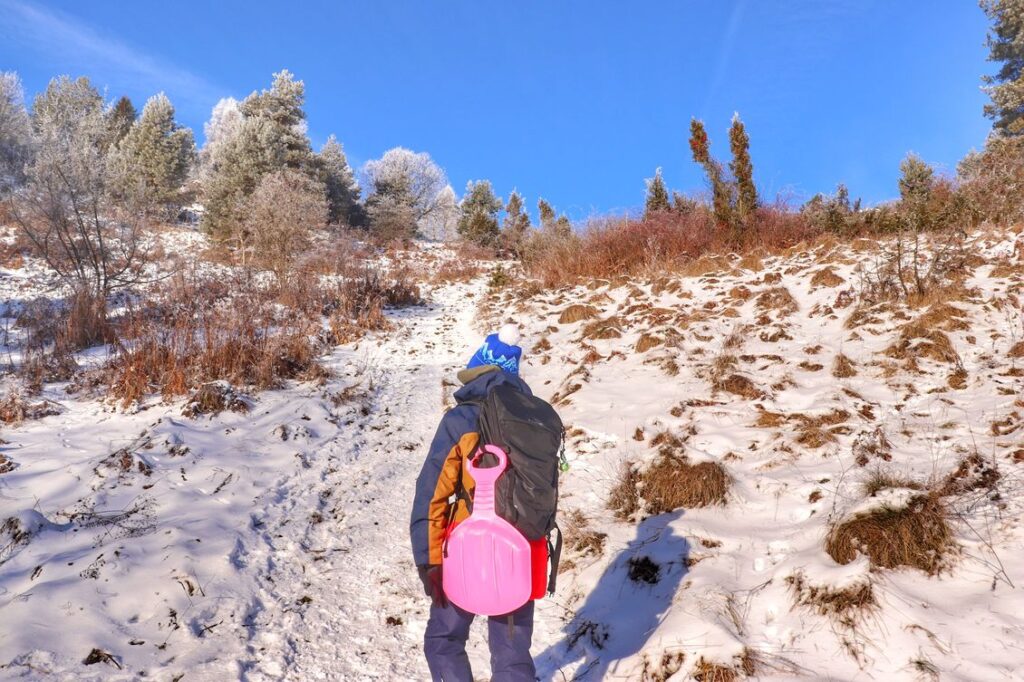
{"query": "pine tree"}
(342, 189)
(742, 170)
(657, 195)
(270, 137)
(916, 184)
(154, 156)
(682, 203)
(405, 188)
(515, 227)
(15, 132)
(549, 224)
(479, 220)
(1006, 45)
(721, 193)
(120, 118)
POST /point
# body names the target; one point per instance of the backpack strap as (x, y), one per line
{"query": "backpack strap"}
(555, 553)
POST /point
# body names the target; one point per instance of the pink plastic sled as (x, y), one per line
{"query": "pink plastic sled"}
(487, 568)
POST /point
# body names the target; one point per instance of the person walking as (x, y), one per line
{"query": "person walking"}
(443, 498)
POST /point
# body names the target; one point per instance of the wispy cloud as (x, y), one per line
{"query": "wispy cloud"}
(67, 40)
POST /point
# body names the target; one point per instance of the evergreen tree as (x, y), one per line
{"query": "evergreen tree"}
(342, 189)
(657, 195)
(120, 118)
(916, 184)
(742, 170)
(547, 214)
(478, 222)
(155, 155)
(682, 203)
(1006, 45)
(721, 193)
(271, 136)
(515, 227)
(15, 132)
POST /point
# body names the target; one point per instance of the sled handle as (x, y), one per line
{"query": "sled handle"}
(490, 474)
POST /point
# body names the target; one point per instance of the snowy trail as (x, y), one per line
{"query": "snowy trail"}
(339, 598)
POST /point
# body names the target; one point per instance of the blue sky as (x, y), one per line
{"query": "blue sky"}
(574, 101)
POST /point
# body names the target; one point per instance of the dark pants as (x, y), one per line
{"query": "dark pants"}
(445, 645)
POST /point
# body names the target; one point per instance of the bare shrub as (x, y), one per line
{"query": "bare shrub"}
(991, 181)
(282, 212)
(917, 535)
(15, 409)
(670, 663)
(213, 398)
(708, 671)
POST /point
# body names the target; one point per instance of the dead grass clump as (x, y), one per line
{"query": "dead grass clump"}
(779, 299)
(843, 367)
(455, 270)
(882, 479)
(213, 398)
(647, 342)
(708, 671)
(843, 603)
(917, 535)
(580, 538)
(643, 569)
(973, 473)
(672, 482)
(577, 312)
(15, 409)
(826, 277)
(1016, 350)
(737, 384)
(610, 328)
(671, 662)
(624, 498)
(919, 341)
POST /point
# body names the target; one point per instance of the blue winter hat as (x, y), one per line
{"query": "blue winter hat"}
(500, 349)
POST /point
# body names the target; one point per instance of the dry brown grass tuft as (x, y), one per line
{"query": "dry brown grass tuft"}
(973, 473)
(917, 535)
(213, 398)
(647, 342)
(843, 367)
(671, 662)
(737, 384)
(610, 328)
(15, 408)
(624, 498)
(919, 341)
(1016, 350)
(455, 270)
(577, 312)
(580, 538)
(672, 482)
(843, 603)
(779, 299)
(826, 277)
(707, 671)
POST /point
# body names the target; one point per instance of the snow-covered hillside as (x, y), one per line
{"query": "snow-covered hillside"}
(272, 543)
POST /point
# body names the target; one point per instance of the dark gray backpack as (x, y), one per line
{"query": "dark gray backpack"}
(531, 432)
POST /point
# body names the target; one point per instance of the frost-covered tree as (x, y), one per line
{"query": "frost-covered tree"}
(120, 119)
(742, 170)
(94, 244)
(404, 188)
(515, 228)
(657, 195)
(155, 156)
(270, 137)
(479, 220)
(442, 223)
(546, 213)
(721, 192)
(341, 185)
(281, 214)
(1006, 46)
(15, 132)
(225, 122)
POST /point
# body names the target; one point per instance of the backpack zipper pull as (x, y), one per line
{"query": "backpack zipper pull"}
(563, 463)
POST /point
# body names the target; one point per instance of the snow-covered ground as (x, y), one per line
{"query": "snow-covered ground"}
(273, 544)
